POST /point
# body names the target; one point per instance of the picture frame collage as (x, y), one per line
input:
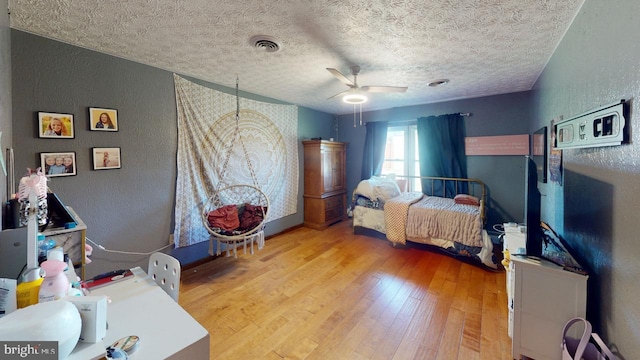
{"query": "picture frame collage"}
(53, 125)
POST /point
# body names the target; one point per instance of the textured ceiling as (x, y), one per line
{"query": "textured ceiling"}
(485, 47)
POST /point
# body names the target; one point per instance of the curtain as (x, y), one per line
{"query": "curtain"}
(441, 152)
(374, 144)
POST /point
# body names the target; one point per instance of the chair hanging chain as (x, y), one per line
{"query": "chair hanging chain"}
(237, 135)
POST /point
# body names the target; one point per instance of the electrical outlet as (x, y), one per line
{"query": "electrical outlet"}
(170, 239)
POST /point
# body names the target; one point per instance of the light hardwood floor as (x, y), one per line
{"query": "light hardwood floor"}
(329, 294)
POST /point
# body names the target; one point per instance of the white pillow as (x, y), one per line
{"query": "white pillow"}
(384, 188)
(365, 189)
(378, 188)
(385, 191)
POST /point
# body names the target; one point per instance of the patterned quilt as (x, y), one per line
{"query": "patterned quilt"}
(438, 217)
(396, 211)
(414, 215)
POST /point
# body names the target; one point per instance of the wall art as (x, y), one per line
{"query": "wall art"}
(55, 164)
(55, 125)
(106, 158)
(101, 119)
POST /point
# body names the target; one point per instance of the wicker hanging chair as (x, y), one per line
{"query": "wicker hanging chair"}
(236, 214)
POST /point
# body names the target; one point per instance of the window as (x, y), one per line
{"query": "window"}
(401, 154)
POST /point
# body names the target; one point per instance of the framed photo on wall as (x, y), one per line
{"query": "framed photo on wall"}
(101, 119)
(555, 155)
(540, 153)
(106, 158)
(55, 125)
(55, 164)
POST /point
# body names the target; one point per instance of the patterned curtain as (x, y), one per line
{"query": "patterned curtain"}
(206, 124)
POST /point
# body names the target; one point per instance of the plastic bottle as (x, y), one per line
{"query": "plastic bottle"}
(28, 290)
(7, 296)
(55, 285)
(41, 239)
(70, 273)
(57, 253)
(44, 245)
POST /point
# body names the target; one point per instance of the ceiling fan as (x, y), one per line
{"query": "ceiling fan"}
(355, 93)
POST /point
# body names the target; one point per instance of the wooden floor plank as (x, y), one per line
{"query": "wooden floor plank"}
(449, 347)
(417, 330)
(329, 294)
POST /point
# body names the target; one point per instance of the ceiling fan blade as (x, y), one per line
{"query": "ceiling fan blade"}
(341, 77)
(339, 94)
(384, 89)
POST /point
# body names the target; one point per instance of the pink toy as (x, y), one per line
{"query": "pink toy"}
(88, 250)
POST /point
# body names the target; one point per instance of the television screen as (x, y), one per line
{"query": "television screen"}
(532, 210)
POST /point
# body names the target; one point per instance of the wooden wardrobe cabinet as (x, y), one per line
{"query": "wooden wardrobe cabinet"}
(325, 190)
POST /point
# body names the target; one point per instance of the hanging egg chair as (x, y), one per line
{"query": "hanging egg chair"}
(236, 214)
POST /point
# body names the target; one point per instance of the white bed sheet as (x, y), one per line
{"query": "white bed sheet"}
(369, 218)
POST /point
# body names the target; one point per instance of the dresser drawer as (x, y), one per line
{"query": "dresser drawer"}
(333, 214)
(333, 208)
(322, 212)
(333, 202)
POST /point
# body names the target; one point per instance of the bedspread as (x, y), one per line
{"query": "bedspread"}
(396, 213)
(439, 217)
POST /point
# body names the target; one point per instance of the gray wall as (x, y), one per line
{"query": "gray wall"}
(596, 208)
(129, 209)
(490, 116)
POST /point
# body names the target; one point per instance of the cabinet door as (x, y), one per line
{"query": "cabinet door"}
(327, 169)
(338, 168)
(333, 158)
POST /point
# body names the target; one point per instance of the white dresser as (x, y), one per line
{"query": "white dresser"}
(542, 297)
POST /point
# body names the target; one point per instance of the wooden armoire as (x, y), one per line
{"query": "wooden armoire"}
(325, 187)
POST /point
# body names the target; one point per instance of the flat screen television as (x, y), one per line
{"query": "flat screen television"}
(532, 204)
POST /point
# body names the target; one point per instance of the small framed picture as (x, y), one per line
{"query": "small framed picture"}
(106, 158)
(101, 119)
(58, 163)
(55, 126)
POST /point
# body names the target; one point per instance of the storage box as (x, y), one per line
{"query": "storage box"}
(515, 239)
(93, 312)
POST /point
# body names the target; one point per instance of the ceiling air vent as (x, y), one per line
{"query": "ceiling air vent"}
(265, 43)
(438, 82)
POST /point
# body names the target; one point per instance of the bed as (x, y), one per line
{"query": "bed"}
(451, 217)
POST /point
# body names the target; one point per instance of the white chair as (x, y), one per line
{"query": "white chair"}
(165, 271)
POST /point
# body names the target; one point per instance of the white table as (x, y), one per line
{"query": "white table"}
(140, 307)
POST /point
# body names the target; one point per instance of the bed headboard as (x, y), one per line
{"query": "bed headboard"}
(476, 187)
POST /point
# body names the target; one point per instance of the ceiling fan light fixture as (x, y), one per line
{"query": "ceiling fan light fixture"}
(354, 98)
(438, 82)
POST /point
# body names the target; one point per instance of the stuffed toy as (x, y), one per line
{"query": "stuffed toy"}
(88, 250)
